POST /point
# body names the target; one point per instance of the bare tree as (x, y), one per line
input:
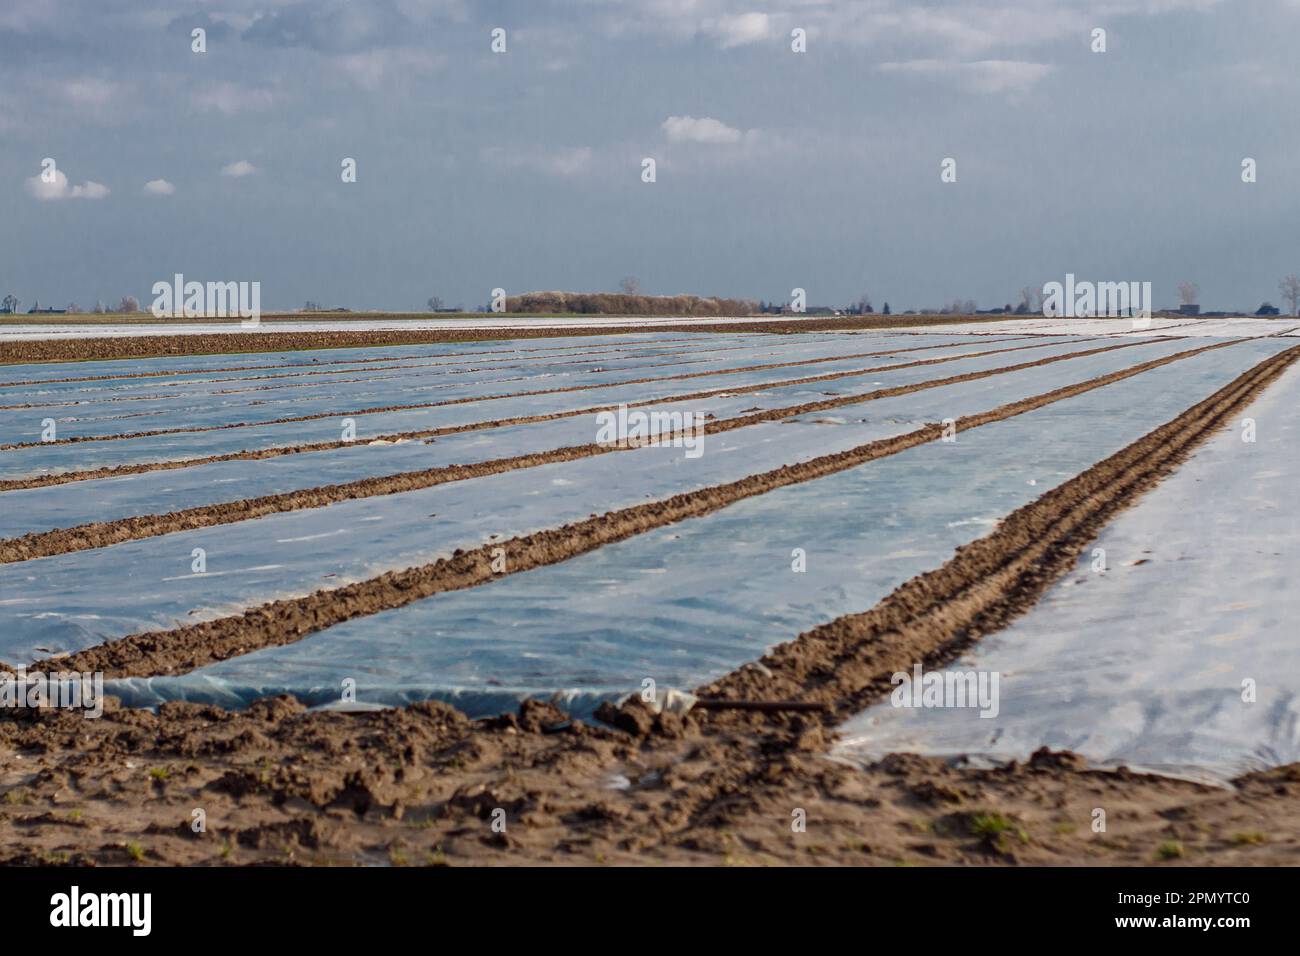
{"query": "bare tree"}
(72, 308)
(1026, 301)
(99, 308)
(435, 303)
(1188, 293)
(1290, 287)
(629, 285)
(10, 303)
(129, 303)
(863, 305)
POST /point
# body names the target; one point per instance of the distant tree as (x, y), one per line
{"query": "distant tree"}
(1290, 287)
(863, 305)
(629, 285)
(1268, 308)
(310, 306)
(10, 303)
(1188, 293)
(99, 308)
(129, 303)
(1026, 301)
(435, 303)
(885, 310)
(73, 308)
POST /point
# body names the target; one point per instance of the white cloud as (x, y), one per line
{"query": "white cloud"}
(371, 68)
(240, 168)
(571, 161)
(688, 129)
(738, 30)
(983, 76)
(89, 92)
(229, 99)
(59, 188)
(159, 187)
(967, 29)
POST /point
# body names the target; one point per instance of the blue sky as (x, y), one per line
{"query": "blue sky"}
(774, 169)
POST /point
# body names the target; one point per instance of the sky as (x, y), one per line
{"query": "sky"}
(523, 169)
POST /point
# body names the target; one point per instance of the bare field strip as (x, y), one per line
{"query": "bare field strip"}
(288, 620)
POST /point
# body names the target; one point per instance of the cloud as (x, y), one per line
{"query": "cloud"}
(58, 188)
(570, 161)
(159, 187)
(369, 70)
(186, 22)
(983, 76)
(968, 29)
(88, 92)
(688, 129)
(331, 26)
(229, 99)
(237, 169)
(738, 30)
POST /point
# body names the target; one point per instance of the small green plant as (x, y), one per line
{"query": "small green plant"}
(1170, 850)
(135, 851)
(990, 824)
(159, 774)
(1253, 838)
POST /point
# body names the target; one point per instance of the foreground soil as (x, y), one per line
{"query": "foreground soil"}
(232, 343)
(425, 786)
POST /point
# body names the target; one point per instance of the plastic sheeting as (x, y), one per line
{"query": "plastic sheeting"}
(1146, 663)
(40, 459)
(148, 584)
(686, 603)
(365, 389)
(253, 399)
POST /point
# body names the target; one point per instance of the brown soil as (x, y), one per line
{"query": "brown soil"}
(419, 786)
(285, 621)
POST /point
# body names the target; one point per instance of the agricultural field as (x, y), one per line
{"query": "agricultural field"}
(647, 593)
